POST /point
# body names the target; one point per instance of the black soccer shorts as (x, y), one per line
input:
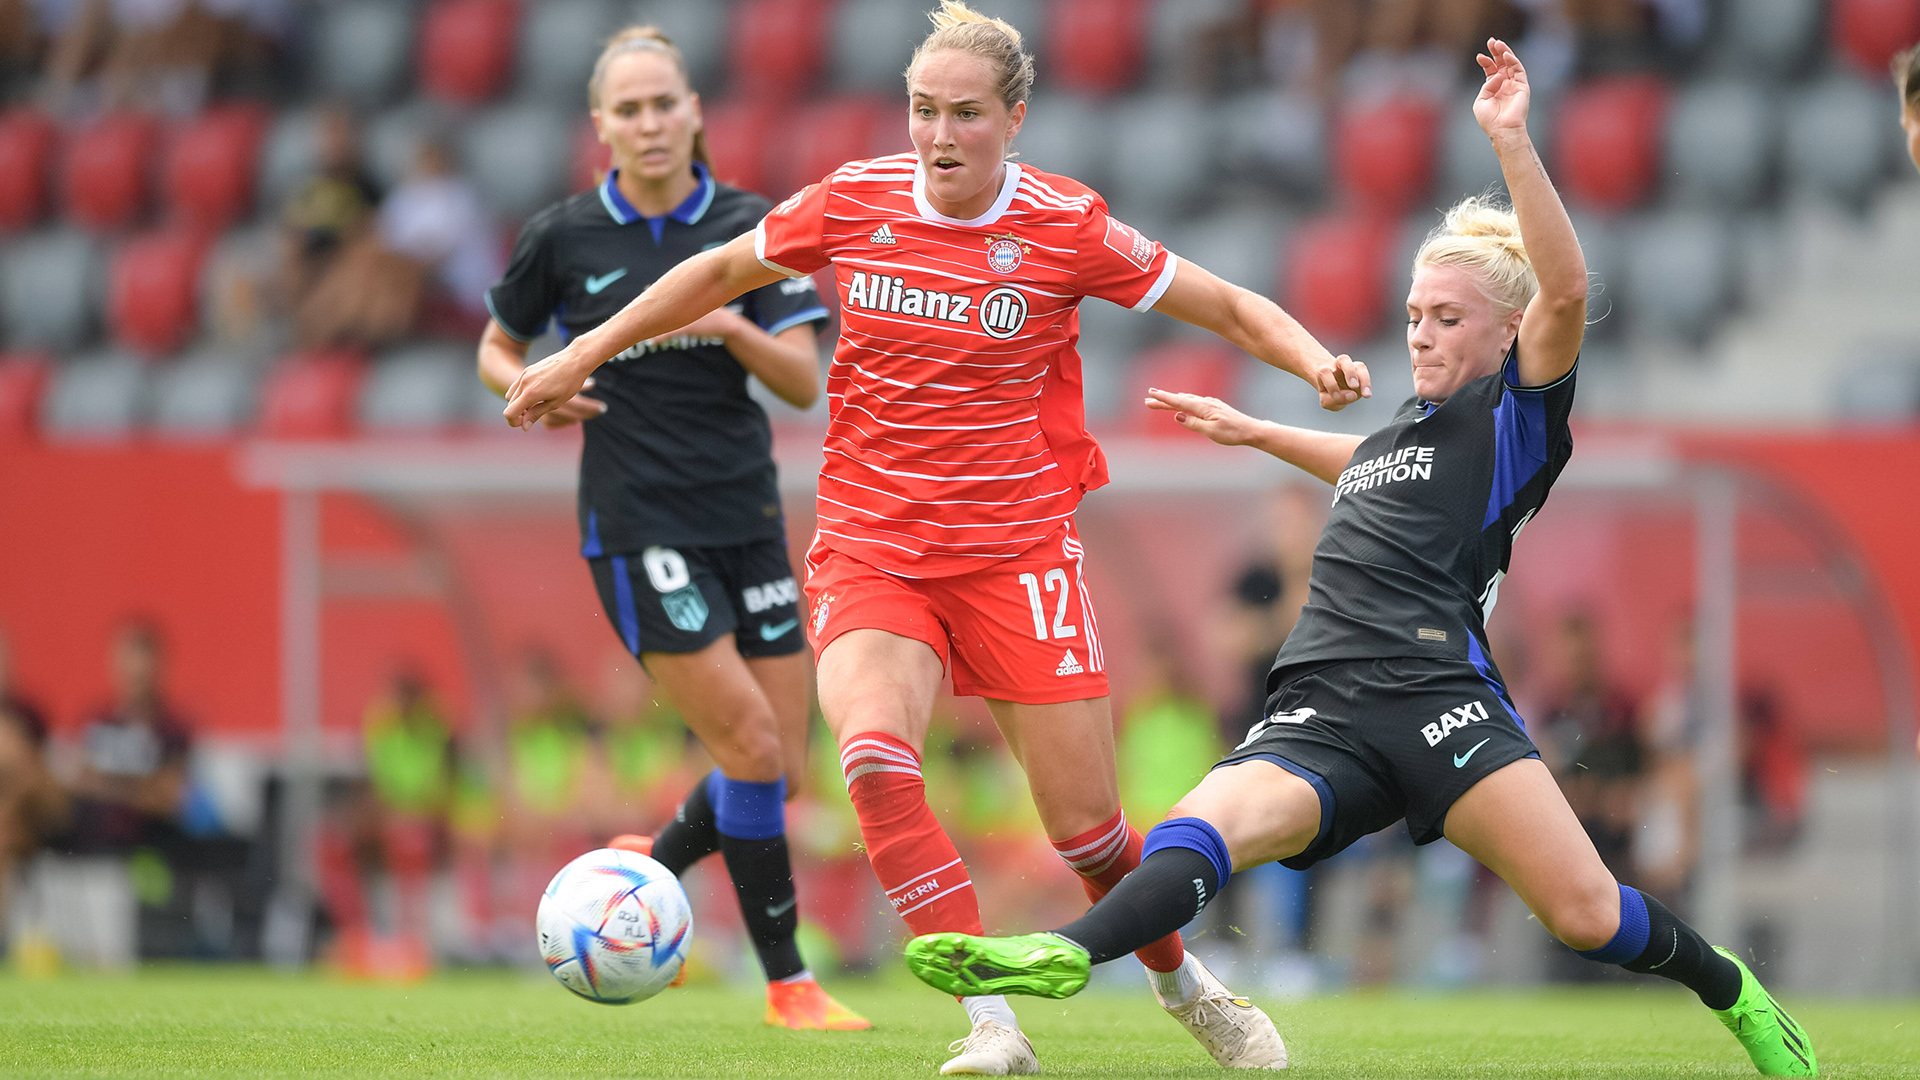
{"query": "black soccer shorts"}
(680, 600)
(1382, 740)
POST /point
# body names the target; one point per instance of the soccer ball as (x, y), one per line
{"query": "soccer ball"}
(614, 926)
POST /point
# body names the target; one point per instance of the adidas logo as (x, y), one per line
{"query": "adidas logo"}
(1069, 665)
(882, 235)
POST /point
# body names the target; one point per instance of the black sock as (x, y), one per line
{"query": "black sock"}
(1677, 951)
(763, 881)
(691, 835)
(1171, 887)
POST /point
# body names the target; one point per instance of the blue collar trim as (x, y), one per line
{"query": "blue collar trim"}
(689, 212)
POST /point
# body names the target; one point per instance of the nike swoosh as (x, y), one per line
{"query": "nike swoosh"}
(1461, 759)
(776, 912)
(775, 631)
(595, 284)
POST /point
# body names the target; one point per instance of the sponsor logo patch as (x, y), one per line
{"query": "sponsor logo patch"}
(1453, 720)
(1128, 241)
(1069, 665)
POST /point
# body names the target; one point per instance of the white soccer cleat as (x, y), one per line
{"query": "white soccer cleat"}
(991, 1049)
(1233, 1029)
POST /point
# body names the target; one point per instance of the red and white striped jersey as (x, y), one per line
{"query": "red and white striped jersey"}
(957, 431)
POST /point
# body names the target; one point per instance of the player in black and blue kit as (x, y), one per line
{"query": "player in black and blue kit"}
(680, 514)
(1384, 703)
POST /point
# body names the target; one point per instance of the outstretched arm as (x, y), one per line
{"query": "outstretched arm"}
(1318, 453)
(681, 295)
(1257, 325)
(1556, 320)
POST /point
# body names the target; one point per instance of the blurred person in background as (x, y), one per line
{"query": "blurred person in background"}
(680, 514)
(1773, 773)
(1666, 844)
(1266, 600)
(164, 55)
(394, 820)
(328, 210)
(31, 803)
(1588, 736)
(554, 779)
(130, 778)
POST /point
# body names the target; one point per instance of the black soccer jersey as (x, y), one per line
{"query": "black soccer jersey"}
(1423, 523)
(683, 455)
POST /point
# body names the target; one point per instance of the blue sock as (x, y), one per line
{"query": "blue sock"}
(1653, 941)
(751, 819)
(1630, 940)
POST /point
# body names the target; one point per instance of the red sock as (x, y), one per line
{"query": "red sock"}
(339, 874)
(1102, 856)
(916, 862)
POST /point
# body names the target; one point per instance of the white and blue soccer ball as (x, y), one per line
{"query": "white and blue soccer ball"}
(614, 926)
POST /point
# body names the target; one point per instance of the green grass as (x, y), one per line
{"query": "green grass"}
(248, 1022)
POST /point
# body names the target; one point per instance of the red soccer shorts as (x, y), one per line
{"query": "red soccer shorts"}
(1019, 630)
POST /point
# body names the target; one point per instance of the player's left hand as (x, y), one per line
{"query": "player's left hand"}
(1341, 380)
(1503, 100)
(1209, 416)
(543, 387)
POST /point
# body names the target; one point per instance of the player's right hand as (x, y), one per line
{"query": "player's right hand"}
(1209, 416)
(1342, 380)
(544, 387)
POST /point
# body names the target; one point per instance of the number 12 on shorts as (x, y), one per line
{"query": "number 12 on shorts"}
(1056, 582)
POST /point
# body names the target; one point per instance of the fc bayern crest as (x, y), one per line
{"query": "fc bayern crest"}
(1004, 254)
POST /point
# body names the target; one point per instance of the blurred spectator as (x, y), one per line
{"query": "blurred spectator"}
(30, 802)
(162, 55)
(433, 249)
(1383, 48)
(131, 776)
(395, 819)
(1266, 601)
(1169, 735)
(1587, 737)
(1773, 772)
(328, 210)
(1666, 846)
(1626, 35)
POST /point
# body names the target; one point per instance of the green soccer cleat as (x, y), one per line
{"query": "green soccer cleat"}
(1773, 1040)
(1039, 965)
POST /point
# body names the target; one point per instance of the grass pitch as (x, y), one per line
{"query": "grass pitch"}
(216, 1022)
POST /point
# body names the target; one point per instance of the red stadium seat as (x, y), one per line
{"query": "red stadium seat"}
(1190, 367)
(312, 396)
(1608, 139)
(153, 291)
(104, 173)
(1337, 275)
(827, 136)
(23, 379)
(1096, 45)
(738, 131)
(1384, 153)
(26, 150)
(466, 48)
(1869, 32)
(591, 158)
(210, 166)
(776, 46)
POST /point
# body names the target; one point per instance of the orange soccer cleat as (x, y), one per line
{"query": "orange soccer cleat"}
(804, 1005)
(634, 842)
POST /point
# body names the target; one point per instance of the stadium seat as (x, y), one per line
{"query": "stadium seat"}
(153, 291)
(1173, 36)
(1163, 153)
(872, 42)
(204, 395)
(466, 48)
(105, 171)
(1384, 153)
(208, 177)
(1066, 134)
(1095, 46)
(828, 135)
(418, 389)
(23, 380)
(1276, 140)
(519, 156)
(559, 42)
(1241, 246)
(1336, 273)
(1209, 368)
(1770, 39)
(1680, 273)
(1880, 386)
(775, 46)
(1607, 140)
(1837, 139)
(698, 29)
(1869, 32)
(27, 140)
(1602, 244)
(391, 141)
(49, 289)
(738, 133)
(1720, 143)
(312, 395)
(1468, 165)
(102, 396)
(361, 49)
(591, 158)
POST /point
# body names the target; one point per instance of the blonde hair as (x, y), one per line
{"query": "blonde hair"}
(962, 29)
(635, 39)
(1906, 75)
(1482, 236)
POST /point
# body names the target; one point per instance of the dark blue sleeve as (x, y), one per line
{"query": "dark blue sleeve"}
(526, 295)
(1530, 433)
(785, 304)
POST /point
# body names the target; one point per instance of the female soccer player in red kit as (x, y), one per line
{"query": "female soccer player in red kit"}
(956, 453)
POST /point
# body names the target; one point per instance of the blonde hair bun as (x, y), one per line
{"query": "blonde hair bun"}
(1481, 235)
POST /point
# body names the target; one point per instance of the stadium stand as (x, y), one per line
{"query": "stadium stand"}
(360, 50)
(1680, 272)
(822, 137)
(1837, 139)
(207, 179)
(737, 134)
(204, 395)
(1177, 134)
(1771, 39)
(97, 397)
(152, 295)
(312, 396)
(872, 42)
(1336, 273)
(50, 288)
(105, 175)
(1869, 32)
(417, 389)
(23, 381)
(1095, 46)
(1719, 144)
(466, 49)
(1208, 368)
(1607, 140)
(558, 43)
(519, 156)
(776, 46)
(27, 142)
(1066, 134)
(698, 29)
(1384, 153)
(1277, 141)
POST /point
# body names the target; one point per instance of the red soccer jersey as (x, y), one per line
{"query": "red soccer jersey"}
(957, 432)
